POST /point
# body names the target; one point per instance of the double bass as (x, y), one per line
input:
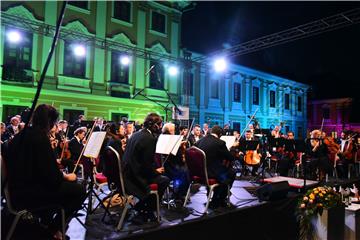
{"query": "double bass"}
(252, 157)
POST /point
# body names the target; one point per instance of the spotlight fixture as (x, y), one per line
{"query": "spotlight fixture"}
(220, 65)
(14, 36)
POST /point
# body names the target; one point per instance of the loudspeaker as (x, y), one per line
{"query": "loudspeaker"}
(273, 191)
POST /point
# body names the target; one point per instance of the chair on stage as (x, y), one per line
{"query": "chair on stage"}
(26, 214)
(196, 162)
(114, 172)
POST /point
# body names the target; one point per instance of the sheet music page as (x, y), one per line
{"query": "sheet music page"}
(229, 140)
(94, 145)
(166, 143)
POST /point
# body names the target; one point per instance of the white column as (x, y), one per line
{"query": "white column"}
(50, 18)
(99, 54)
(265, 96)
(248, 96)
(281, 101)
(140, 62)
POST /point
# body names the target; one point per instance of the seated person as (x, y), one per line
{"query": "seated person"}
(140, 170)
(216, 152)
(34, 179)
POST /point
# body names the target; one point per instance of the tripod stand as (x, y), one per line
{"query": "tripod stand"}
(91, 191)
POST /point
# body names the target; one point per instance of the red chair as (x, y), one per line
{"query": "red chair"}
(113, 156)
(196, 163)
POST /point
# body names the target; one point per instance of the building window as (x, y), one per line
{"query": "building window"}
(71, 115)
(326, 113)
(287, 101)
(119, 72)
(158, 22)
(17, 59)
(214, 88)
(157, 75)
(79, 4)
(287, 129)
(300, 132)
(236, 126)
(11, 110)
(255, 95)
(74, 66)
(117, 117)
(237, 92)
(122, 10)
(299, 104)
(272, 99)
(188, 84)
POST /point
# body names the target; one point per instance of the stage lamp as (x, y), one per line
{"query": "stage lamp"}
(79, 50)
(125, 60)
(220, 65)
(173, 71)
(14, 36)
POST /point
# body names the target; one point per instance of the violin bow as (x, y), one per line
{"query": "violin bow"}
(247, 125)
(63, 149)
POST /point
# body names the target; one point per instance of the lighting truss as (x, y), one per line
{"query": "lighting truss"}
(327, 24)
(41, 28)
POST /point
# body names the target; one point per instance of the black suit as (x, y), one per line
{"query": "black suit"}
(140, 169)
(75, 148)
(216, 152)
(34, 178)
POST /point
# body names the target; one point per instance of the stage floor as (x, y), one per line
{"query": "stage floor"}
(96, 229)
(263, 220)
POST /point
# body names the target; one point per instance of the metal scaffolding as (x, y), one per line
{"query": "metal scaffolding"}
(331, 23)
(42, 28)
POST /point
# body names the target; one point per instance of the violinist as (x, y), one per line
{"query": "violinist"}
(34, 179)
(195, 135)
(316, 153)
(345, 154)
(216, 152)
(175, 167)
(76, 145)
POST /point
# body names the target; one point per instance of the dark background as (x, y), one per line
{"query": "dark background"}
(329, 62)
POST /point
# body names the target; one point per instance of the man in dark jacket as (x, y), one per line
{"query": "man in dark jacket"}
(140, 170)
(216, 153)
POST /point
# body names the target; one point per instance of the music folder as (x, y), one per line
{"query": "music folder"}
(248, 145)
(167, 144)
(94, 144)
(229, 140)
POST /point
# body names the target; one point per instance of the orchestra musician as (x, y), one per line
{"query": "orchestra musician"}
(345, 155)
(252, 156)
(34, 179)
(316, 153)
(287, 160)
(276, 132)
(175, 167)
(216, 152)
(195, 135)
(140, 170)
(205, 129)
(76, 146)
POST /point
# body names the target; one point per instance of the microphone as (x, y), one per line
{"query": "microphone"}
(148, 71)
(137, 93)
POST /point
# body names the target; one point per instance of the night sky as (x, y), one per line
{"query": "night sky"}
(329, 62)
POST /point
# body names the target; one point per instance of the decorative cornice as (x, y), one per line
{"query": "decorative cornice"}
(122, 38)
(21, 11)
(77, 26)
(159, 48)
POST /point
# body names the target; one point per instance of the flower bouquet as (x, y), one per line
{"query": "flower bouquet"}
(312, 204)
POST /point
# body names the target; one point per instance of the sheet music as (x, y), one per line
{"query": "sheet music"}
(94, 145)
(229, 140)
(166, 143)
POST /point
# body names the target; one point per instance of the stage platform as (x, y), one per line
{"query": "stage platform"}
(248, 217)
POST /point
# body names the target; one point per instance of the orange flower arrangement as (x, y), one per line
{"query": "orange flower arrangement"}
(312, 203)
